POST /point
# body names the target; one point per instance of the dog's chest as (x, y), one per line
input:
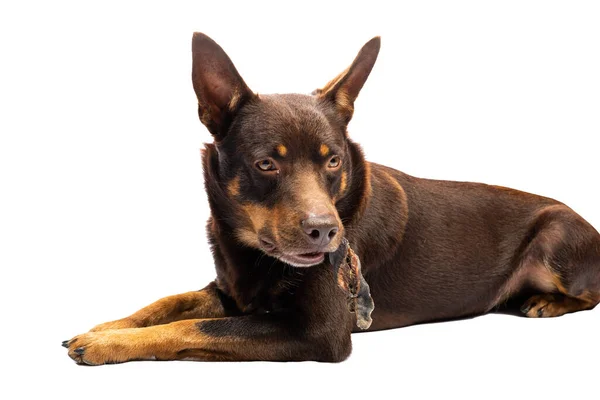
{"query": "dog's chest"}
(262, 296)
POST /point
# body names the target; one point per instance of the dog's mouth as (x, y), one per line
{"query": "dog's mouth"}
(303, 260)
(294, 259)
(298, 257)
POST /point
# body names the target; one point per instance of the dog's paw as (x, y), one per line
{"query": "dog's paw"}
(543, 306)
(124, 323)
(97, 348)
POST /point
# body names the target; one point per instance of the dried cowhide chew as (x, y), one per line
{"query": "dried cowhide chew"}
(346, 266)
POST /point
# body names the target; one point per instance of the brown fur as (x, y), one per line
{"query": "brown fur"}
(430, 250)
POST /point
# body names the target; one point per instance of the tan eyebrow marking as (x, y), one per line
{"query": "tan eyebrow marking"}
(324, 150)
(282, 150)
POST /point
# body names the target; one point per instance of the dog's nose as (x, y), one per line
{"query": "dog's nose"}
(321, 229)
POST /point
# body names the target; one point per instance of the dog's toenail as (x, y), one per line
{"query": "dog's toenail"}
(65, 343)
(540, 312)
(525, 309)
(79, 350)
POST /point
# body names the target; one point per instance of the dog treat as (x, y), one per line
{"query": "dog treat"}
(346, 266)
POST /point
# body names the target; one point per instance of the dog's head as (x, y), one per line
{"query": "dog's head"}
(281, 167)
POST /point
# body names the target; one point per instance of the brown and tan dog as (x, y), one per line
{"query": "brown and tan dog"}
(286, 184)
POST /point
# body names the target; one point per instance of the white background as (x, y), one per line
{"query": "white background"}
(102, 202)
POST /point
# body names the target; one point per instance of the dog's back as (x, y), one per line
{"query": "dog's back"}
(453, 249)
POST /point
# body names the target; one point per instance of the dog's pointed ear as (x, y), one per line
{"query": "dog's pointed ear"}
(220, 89)
(344, 89)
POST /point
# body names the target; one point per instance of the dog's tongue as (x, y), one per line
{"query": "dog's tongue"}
(346, 266)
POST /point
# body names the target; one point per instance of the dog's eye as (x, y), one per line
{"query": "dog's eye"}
(334, 162)
(266, 165)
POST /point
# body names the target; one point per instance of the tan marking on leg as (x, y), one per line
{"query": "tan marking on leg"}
(233, 188)
(542, 278)
(538, 273)
(123, 323)
(197, 304)
(554, 305)
(161, 342)
(556, 300)
(589, 296)
(188, 340)
(324, 150)
(538, 276)
(282, 150)
(555, 278)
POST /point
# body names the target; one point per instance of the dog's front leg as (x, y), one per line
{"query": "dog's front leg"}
(205, 303)
(252, 337)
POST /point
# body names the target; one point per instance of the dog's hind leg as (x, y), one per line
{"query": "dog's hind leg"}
(555, 305)
(563, 263)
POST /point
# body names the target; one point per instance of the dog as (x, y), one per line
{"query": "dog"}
(286, 185)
